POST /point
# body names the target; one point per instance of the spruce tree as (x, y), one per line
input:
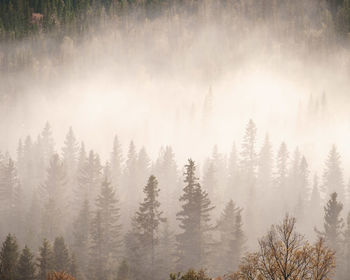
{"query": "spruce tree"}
(147, 222)
(26, 269)
(333, 223)
(105, 233)
(70, 152)
(231, 240)
(333, 175)
(61, 258)
(10, 196)
(46, 145)
(265, 164)
(89, 178)
(9, 259)
(107, 206)
(248, 157)
(281, 175)
(81, 236)
(45, 260)
(116, 163)
(233, 173)
(193, 242)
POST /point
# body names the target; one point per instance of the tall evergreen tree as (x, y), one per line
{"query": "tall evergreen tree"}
(61, 258)
(333, 175)
(26, 269)
(9, 258)
(230, 239)
(89, 177)
(105, 233)
(10, 196)
(70, 152)
(333, 223)
(147, 221)
(116, 163)
(265, 165)
(81, 237)
(192, 242)
(46, 145)
(45, 260)
(233, 172)
(248, 156)
(281, 175)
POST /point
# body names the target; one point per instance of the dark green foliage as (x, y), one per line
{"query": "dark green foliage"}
(333, 223)
(105, 233)
(26, 266)
(45, 260)
(230, 247)
(61, 258)
(193, 241)
(9, 259)
(145, 232)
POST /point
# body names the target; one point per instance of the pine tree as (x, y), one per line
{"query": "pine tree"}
(165, 170)
(54, 198)
(142, 169)
(209, 180)
(70, 152)
(46, 145)
(220, 166)
(129, 192)
(231, 239)
(9, 259)
(107, 205)
(265, 164)
(10, 196)
(282, 168)
(248, 159)
(116, 163)
(45, 260)
(147, 221)
(333, 223)
(54, 186)
(166, 252)
(303, 176)
(81, 236)
(233, 173)
(89, 177)
(192, 242)
(105, 233)
(26, 269)
(61, 258)
(333, 175)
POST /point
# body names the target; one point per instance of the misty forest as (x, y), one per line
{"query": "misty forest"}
(174, 139)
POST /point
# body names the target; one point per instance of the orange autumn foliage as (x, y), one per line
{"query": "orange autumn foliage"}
(284, 254)
(59, 275)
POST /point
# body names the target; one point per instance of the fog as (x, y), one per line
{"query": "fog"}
(191, 80)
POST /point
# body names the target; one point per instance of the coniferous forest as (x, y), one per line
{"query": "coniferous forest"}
(174, 139)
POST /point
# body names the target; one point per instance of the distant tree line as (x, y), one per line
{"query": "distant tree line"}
(138, 218)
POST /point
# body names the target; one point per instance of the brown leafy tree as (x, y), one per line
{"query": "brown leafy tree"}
(285, 255)
(54, 275)
(190, 275)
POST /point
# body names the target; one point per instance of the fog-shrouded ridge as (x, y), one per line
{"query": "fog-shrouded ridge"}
(121, 119)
